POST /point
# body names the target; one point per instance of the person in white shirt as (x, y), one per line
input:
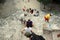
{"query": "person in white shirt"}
(27, 31)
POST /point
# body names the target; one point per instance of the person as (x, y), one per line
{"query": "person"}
(27, 10)
(27, 31)
(36, 14)
(29, 23)
(47, 17)
(31, 11)
(24, 9)
(25, 15)
(22, 19)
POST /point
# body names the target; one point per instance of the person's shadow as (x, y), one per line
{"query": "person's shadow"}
(37, 37)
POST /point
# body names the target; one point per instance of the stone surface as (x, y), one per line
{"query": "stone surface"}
(10, 28)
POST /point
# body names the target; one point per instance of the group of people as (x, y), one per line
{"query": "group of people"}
(46, 17)
(27, 31)
(31, 11)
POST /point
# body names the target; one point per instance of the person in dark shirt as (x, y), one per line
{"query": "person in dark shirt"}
(31, 11)
(29, 23)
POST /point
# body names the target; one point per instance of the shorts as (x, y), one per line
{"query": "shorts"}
(46, 18)
(28, 35)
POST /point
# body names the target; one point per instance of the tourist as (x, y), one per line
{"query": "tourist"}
(22, 19)
(27, 10)
(31, 11)
(27, 31)
(29, 23)
(47, 17)
(24, 8)
(36, 14)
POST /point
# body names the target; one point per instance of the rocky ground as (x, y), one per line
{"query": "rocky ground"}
(10, 28)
